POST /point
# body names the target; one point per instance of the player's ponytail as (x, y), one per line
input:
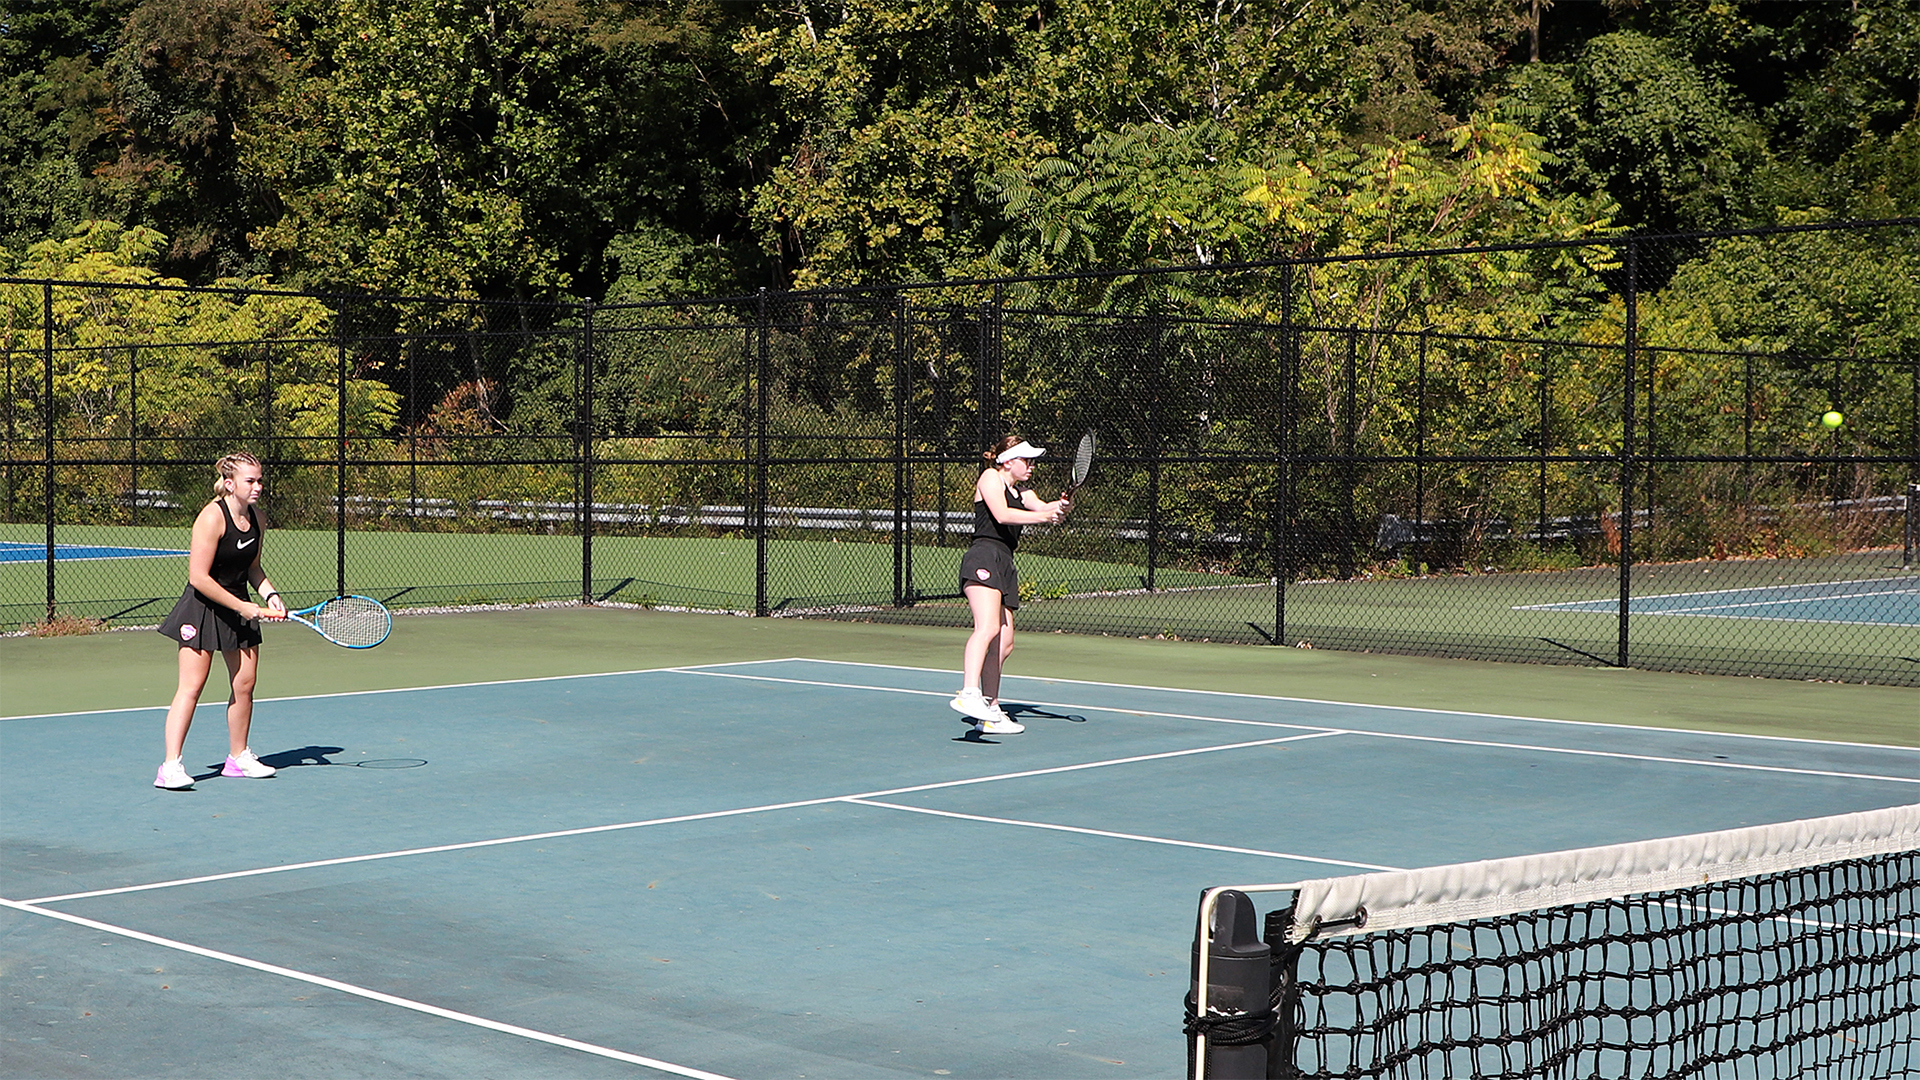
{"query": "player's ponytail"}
(227, 467)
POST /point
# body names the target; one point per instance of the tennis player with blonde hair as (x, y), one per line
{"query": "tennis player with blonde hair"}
(214, 615)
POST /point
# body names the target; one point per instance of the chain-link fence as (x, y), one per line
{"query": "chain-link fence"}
(1613, 452)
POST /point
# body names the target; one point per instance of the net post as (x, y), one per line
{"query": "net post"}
(1284, 993)
(1229, 1006)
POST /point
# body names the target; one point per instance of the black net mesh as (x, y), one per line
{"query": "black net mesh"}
(1609, 454)
(1809, 973)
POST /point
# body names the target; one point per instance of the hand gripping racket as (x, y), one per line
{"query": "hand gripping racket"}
(355, 622)
(1082, 465)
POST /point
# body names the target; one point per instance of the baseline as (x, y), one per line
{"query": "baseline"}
(1323, 729)
(1596, 724)
(364, 992)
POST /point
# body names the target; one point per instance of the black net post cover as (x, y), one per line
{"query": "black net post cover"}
(1787, 950)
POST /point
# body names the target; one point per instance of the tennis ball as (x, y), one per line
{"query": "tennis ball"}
(1833, 419)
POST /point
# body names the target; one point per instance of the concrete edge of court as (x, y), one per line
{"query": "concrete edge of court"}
(134, 669)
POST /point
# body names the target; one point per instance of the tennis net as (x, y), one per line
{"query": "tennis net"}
(1789, 950)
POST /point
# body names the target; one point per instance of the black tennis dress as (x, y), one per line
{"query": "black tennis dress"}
(990, 560)
(199, 623)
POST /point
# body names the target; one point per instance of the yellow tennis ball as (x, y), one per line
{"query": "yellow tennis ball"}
(1833, 419)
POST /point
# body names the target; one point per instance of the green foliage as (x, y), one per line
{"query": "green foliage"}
(200, 362)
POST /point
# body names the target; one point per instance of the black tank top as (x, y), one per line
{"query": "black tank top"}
(987, 527)
(233, 556)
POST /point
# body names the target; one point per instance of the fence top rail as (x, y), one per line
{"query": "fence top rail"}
(1211, 269)
(1619, 240)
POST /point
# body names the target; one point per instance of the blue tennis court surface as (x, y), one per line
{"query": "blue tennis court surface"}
(790, 868)
(14, 551)
(1871, 602)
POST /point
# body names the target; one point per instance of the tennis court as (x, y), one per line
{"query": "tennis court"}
(15, 552)
(1867, 602)
(786, 866)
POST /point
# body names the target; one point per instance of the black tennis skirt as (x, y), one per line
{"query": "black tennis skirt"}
(990, 562)
(208, 627)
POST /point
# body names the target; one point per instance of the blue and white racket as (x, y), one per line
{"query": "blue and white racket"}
(354, 622)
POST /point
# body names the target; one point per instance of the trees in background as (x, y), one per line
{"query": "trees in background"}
(641, 148)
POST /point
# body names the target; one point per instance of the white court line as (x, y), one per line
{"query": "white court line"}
(1323, 729)
(703, 669)
(371, 995)
(1602, 724)
(1120, 835)
(587, 830)
(411, 689)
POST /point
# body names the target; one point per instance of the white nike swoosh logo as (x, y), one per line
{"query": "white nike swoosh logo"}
(243, 543)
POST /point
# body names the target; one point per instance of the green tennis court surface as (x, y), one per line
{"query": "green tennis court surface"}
(1891, 601)
(779, 868)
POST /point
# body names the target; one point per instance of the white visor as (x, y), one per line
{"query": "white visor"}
(1021, 449)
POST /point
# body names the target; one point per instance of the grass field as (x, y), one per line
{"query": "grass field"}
(451, 569)
(1485, 615)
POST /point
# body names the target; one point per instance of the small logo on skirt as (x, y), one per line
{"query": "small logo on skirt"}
(187, 632)
(984, 574)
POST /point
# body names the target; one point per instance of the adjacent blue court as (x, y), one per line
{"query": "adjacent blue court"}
(14, 552)
(1870, 602)
(786, 868)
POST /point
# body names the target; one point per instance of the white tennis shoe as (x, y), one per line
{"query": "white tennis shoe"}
(173, 776)
(972, 704)
(1003, 725)
(247, 764)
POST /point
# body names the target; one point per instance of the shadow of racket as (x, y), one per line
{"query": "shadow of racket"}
(1024, 712)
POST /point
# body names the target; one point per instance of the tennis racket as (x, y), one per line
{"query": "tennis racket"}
(354, 622)
(1082, 465)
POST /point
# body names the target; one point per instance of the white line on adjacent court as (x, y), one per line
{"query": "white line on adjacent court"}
(1049, 826)
(371, 995)
(411, 689)
(710, 815)
(1603, 725)
(1323, 729)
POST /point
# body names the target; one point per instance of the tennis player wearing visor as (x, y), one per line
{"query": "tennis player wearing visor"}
(1003, 503)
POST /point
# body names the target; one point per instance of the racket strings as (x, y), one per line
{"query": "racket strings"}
(353, 620)
(1083, 460)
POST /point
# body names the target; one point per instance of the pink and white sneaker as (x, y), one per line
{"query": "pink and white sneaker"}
(173, 776)
(246, 764)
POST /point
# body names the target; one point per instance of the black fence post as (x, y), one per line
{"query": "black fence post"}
(1420, 452)
(133, 436)
(1158, 372)
(586, 450)
(1630, 361)
(759, 511)
(1349, 469)
(1541, 440)
(1283, 463)
(340, 472)
(46, 422)
(902, 517)
(272, 462)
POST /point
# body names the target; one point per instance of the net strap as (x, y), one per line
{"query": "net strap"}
(1367, 903)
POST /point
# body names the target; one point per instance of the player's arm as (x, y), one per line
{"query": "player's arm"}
(985, 492)
(207, 529)
(1053, 511)
(276, 605)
